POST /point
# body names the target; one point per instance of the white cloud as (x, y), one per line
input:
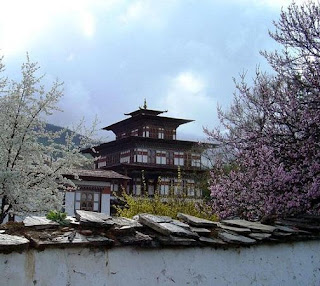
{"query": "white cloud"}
(70, 57)
(23, 22)
(20, 22)
(189, 82)
(88, 24)
(187, 98)
(134, 12)
(150, 13)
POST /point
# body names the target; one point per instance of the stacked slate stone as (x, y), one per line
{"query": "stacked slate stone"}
(147, 230)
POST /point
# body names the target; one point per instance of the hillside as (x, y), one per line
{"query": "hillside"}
(62, 139)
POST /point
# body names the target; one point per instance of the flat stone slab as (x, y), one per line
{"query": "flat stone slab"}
(165, 228)
(235, 238)
(94, 219)
(39, 222)
(260, 235)
(195, 221)
(126, 222)
(181, 224)
(138, 238)
(173, 229)
(6, 239)
(72, 239)
(200, 230)
(257, 226)
(10, 243)
(156, 218)
(176, 241)
(211, 241)
(286, 229)
(281, 234)
(233, 228)
(300, 224)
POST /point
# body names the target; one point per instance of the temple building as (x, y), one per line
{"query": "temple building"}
(146, 149)
(92, 190)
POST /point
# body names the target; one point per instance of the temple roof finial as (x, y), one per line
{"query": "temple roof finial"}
(145, 104)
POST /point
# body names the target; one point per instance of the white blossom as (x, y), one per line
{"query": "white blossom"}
(32, 164)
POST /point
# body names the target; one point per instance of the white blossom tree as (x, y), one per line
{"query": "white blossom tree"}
(31, 172)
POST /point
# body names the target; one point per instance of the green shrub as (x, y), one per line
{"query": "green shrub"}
(59, 217)
(169, 206)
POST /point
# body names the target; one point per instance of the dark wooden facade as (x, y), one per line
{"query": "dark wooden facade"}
(146, 149)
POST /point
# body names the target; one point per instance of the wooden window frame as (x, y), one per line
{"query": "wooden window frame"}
(80, 201)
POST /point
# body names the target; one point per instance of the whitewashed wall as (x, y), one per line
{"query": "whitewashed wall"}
(289, 264)
(105, 198)
(69, 203)
(105, 203)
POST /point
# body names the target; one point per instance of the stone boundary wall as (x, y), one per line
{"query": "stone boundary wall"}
(296, 263)
(100, 250)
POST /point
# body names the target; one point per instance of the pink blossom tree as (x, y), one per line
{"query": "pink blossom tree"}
(270, 138)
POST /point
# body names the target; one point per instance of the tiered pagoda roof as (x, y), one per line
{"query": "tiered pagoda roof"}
(144, 115)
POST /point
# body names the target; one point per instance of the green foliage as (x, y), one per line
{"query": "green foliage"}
(59, 217)
(169, 206)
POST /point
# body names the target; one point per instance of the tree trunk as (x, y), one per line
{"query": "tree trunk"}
(4, 211)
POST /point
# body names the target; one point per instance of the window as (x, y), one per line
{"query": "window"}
(125, 156)
(190, 187)
(198, 193)
(135, 132)
(170, 157)
(161, 157)
(151, 156)
(101, 161)
(87, 201)
(121, 135)
(114, 187)
(112, 159)
(161, 133)
(136, 187)
(153, 132)
(115, 158)
(140, 155)
(164, 186)
(170, 134)
(179, 158)
(146, 131)
(195, 160)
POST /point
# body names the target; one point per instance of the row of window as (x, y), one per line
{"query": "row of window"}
(166, 185)
(149, 131)
(91, 200)
(151, 156)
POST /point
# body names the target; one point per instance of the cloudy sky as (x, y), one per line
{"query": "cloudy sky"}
(181, 55)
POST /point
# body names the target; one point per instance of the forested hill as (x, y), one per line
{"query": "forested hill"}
(62, 139)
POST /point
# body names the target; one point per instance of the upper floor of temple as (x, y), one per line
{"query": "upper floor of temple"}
(145, 122)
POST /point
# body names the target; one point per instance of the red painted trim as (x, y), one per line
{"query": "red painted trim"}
(106, 190)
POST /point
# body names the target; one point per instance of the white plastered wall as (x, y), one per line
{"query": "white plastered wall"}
(286, 264)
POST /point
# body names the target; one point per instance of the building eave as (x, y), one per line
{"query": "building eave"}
(143, 118)
(94, 151)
